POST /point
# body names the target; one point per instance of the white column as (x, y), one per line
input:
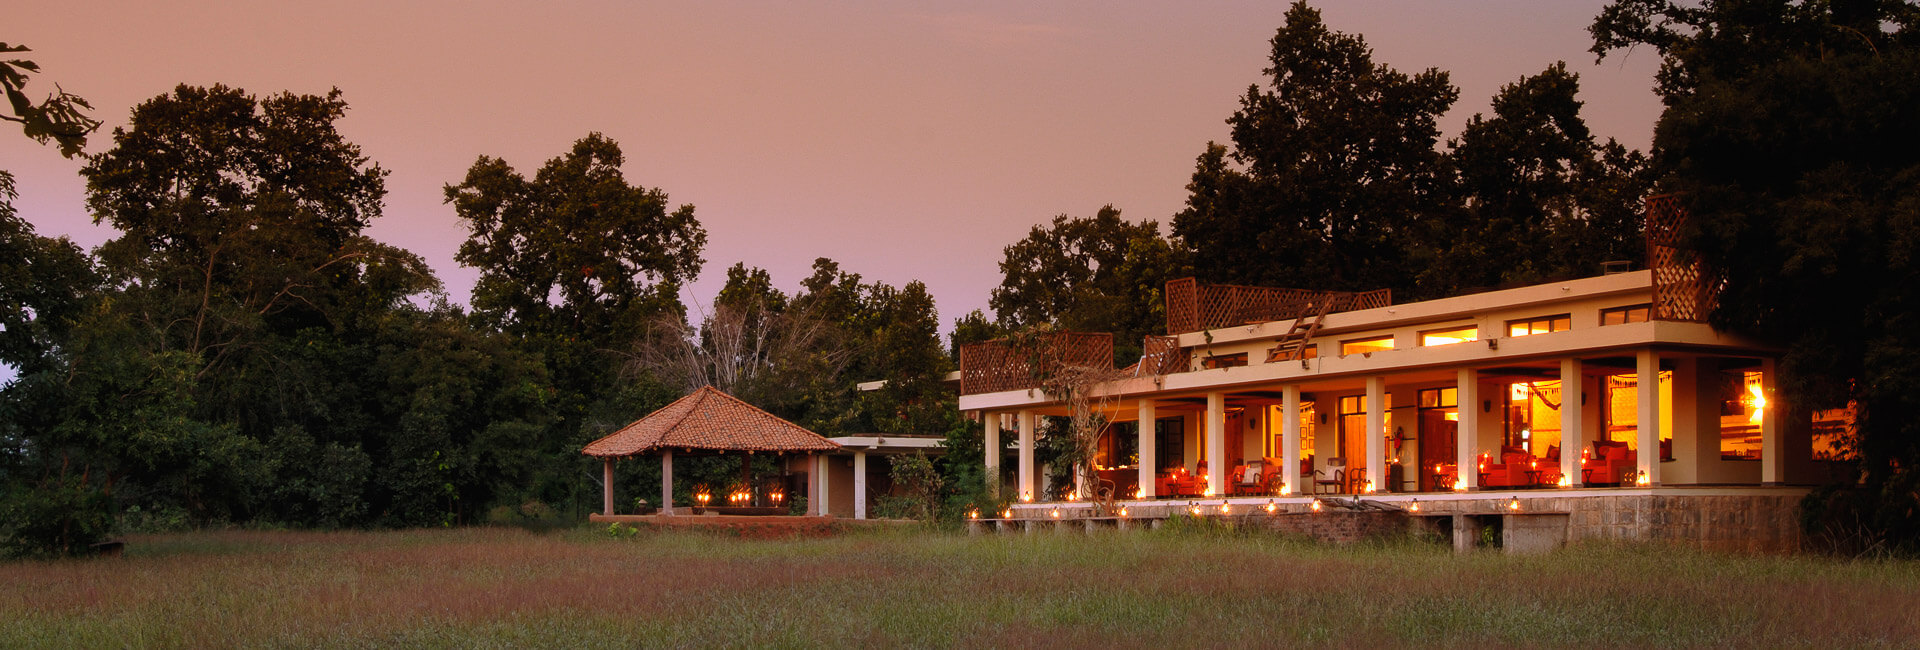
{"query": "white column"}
(859, 485)
(1649, 411)
(823, 464)
(606, 487)
(1467, 440)
(1025, 490)
(1217, 443)
(1376, 433)
(1290, 438)
(1149, 462)
(1573, 436)
(666, 482)
(992, 445)
(1773, 455)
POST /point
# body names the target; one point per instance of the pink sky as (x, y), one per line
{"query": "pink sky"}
(905, 140)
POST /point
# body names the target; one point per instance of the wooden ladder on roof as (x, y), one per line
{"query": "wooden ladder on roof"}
(1293, 344)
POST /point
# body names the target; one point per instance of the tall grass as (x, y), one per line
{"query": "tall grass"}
(914, 587)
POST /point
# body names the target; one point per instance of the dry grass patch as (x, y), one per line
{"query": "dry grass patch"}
(506, 587)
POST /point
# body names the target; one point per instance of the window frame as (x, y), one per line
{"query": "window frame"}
(1626, 313)
(1552, 322)
(1388, 338)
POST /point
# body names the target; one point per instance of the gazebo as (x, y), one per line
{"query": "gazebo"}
(705, 421)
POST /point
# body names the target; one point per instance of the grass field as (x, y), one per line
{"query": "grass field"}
(508, 587)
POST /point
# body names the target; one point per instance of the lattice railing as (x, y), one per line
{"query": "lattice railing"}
(1160, 355)
(994, 366)
(1683, 289)
(1192, 307)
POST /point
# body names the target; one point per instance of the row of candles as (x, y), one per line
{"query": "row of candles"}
(739, 497)
(1226, 508)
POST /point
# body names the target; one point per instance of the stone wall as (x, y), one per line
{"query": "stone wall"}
(1747, 523)
(1335, 526)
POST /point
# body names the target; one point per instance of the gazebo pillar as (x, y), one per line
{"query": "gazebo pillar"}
(606, 487)
(666, 482)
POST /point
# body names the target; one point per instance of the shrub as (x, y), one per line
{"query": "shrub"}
(64, 516)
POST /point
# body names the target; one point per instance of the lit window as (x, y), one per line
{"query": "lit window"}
(1541, 325)
(1449, 337)
(1224, 361)
(1624, 315)
(1363, 346)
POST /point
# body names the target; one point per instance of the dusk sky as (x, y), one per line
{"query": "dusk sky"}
(905, 140)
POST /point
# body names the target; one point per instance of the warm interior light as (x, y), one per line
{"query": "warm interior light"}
(1136, 492)
(1285, 490)
(1453, 416)
(1640, 478)
(1757, 402)
(1566, 480)
(1026, 496)
(1520, 391)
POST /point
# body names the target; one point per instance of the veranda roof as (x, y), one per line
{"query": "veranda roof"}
(709, 420)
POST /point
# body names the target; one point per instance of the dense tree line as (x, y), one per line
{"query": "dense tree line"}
(243, 353)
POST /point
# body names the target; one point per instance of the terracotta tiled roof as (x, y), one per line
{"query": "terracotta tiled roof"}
(708, 419)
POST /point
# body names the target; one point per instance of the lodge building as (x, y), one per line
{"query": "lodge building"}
(1605, 402)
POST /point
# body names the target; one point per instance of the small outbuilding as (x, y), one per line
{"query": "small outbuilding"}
(708, 421)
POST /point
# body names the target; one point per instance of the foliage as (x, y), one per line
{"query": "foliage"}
(576, 250)
(1096, 273)
(923, 487)
(1333, 166)
(58, 516)
(45, 286)
(1539, 198)
(60, 117)
(1788, 132)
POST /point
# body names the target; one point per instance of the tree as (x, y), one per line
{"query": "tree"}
(576, 251)
(242, 217)
(46, 285)
(1789, 137)
(1096, 273)
(60, 117)
(1331, 167)
(1540, 199)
